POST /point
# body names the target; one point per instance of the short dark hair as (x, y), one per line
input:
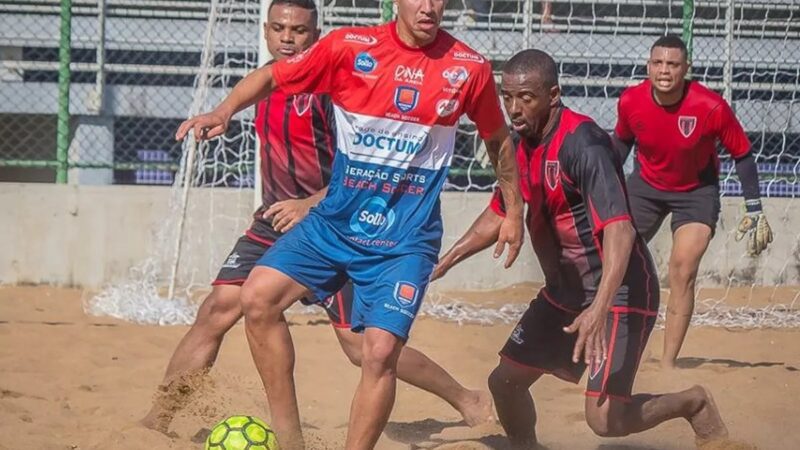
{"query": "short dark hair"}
(303, 4)
(671, 41)
(534, 61)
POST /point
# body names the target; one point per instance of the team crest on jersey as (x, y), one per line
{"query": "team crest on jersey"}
(302, 103)
(405, 294)
(406, 98)
(551, 169)
(687, 125)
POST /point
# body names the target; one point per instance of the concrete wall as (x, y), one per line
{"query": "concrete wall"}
(91, 235)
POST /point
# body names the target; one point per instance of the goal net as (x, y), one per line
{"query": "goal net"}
(750, 53)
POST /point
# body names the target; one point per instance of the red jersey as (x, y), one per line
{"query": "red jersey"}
(573, 186)
(397, 110)
(297, 147)
(676, 145)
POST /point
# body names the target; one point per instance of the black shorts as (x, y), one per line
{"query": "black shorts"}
(539, 343)
(649, 206)
(242, 259)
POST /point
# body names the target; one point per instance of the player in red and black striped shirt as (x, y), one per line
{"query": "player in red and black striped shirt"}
(297, 148)
(676, 125)
(600, 298)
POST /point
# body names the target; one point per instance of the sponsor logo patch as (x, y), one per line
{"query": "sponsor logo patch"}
(405, 294)
(232, 262)
(516, 335)
(365, 63)
(405, 74)
(687, 125)
(406, 98)
(445, 108)
(372, 218)
(468, 56)
(360, 38)
(456, 76)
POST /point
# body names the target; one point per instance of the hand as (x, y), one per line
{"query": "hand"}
(441, 268)
(591, 328)
(511, 233)
(755, 227)
(288, 213)
(205, 126)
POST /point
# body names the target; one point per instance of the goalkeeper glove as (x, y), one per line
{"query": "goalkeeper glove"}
(755, 228)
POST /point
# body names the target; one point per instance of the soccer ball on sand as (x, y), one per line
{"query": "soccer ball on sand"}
(241, 433)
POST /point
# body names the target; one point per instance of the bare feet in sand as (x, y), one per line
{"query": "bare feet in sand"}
(478, 408)
(706, 421)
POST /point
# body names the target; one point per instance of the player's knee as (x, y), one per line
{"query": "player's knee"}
(257, 305)
(501, 384)
(379, 356)
(218, 313)
(683, 271)
(605, 424)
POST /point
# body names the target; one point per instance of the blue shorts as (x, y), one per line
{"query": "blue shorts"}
(387, 290)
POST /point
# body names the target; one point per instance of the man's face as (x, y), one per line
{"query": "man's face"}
(421, 17)
(528, 102)
(289, 30)
(667, 69)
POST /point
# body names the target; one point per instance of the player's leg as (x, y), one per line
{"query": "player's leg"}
(413, 367)
(386, 298)
(614, 417)
(510, 386)
(286, 273)
(694, 217)
(375, 394)
(537, 345)
(266, 294)
(610, 408)
(197, 350)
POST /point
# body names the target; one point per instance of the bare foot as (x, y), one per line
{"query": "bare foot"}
(706, 421)
(157, 421)
(478, 409)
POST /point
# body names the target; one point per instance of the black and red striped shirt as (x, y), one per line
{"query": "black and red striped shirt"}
(574, 187)
(297, 139)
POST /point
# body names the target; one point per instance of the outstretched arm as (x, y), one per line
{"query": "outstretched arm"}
(252, 88)
(500, 149)
(483, 233)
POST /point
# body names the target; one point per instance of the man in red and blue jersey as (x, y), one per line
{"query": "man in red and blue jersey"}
(398, 91)
(600, 298)
(296, 133)
(676, 124)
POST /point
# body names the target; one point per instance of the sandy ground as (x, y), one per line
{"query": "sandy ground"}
(71, 381)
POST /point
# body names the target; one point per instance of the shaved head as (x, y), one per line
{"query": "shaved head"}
(533, 62)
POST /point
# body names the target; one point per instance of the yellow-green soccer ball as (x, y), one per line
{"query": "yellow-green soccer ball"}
(241, 433)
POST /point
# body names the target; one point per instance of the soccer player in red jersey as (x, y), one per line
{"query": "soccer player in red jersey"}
(398, 91)
(600, 298)
(297, 150)
(676, 124)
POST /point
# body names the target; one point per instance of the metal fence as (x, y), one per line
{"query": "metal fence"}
(92, 90)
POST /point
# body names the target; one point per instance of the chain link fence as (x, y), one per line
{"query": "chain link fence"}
(129, 71)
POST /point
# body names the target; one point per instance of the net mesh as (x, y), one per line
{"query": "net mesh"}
(751, 54)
